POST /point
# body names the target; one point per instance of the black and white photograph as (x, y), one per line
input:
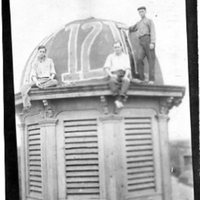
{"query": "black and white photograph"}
(101, 97)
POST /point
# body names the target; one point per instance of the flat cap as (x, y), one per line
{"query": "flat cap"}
(142, 8)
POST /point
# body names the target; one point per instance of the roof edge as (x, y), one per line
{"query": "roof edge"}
(85, 90)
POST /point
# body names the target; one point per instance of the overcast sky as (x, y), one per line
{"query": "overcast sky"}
(32, 20)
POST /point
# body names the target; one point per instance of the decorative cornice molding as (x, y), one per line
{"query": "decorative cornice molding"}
(166, 103)
(31, 112)
(88, 90)
(48, 110)
(104, 104)
(161, 117)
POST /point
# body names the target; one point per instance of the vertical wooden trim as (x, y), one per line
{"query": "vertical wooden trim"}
(50, 159)
(108, 160)
(51, 163)
(163, 131)
(156, 157)
(43, 161)
(22, 161)
(119, 159)
(61, 160)
(111, 131)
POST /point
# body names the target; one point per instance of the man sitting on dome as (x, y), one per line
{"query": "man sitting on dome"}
(117, 66)
(42, 76)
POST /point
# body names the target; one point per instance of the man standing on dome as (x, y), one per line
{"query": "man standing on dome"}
(117, 67)
(145, 30)
(42, 75)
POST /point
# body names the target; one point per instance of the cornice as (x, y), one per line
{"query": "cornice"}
(96, 89)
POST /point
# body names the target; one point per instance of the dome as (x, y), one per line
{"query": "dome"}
(80, 48)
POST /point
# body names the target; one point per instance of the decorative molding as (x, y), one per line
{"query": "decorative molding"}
(32, 112)
(48, 110)
(177, 101)
(161, 117)
(111, 117)
(100, 88)
(116, 110)
(104, 104)
(24, 113)
(166, 103)
(125, 99)
(22, 117)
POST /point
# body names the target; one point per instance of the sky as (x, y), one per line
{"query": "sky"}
(32, 21)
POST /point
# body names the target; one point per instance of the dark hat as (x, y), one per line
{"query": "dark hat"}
(142, 8)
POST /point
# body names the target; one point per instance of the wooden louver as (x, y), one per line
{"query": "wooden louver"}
(81, 158)
(139, 154)
(34, 160)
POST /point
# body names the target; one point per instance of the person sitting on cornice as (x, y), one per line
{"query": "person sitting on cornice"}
(42, 76)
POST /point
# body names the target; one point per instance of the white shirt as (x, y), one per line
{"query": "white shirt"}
(116, 62)
(43, 69)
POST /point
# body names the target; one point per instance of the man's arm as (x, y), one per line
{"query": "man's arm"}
(52, 69)
(122, 26)
(108, 72)
(152, 33)
(35, 80)
(127, 73)
(34, 74)
(107, 67)
(133, 28)
(130, 29)
(128, 68)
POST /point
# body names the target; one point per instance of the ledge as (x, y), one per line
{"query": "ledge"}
(97, 88)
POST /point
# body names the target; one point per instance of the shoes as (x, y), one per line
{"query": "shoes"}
(151, 82)
(119, 104)
(137, 81)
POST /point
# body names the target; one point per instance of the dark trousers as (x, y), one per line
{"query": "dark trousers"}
(119, 85)
(150, 54)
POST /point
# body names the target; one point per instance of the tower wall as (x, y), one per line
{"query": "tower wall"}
(73, 150)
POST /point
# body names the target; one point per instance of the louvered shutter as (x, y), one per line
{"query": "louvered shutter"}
(81, 158)
(34, 160)
(139, 154)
